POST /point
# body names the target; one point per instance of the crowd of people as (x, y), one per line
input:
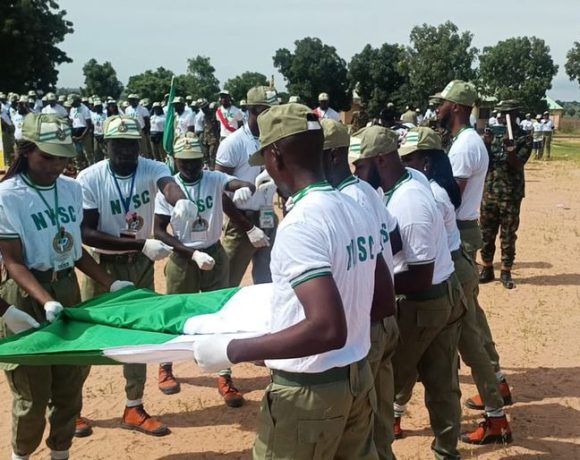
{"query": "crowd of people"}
(375, 281)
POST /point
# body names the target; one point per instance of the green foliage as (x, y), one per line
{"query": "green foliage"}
(436, 56)
(375, 74)
(239, 86)
(153, 84)
(518, 68)
(313, 68)
(101, 79)
(29, 33)
(199, 81)
(573, 62)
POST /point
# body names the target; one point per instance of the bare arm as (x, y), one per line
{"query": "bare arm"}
(384, 293)
(324, 328)
(462, 183)
(237, 184)
(396, 240)
(224, 169)
(235, 214)
(170, 190)
(416, 279)
(97, 239)
(93, 270)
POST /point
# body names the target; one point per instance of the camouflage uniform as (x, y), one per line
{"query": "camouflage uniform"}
(360, 119)
(210, 138)
(502, 195)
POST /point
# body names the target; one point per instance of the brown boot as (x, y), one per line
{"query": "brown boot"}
(476, 402)
(232, 396)
(167, 383)
(82, 428)
(135, 418)
(397, 430)
(492, 430)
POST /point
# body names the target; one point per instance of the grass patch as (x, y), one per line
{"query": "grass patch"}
(567, 149)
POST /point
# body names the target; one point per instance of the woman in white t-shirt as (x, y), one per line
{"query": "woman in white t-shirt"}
(156, 133)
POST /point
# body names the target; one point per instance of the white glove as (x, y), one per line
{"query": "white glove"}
(263, 180)
(203, 260)
(211, 353)
(184, 210)
(18, 321)
(258, 238)
(242, 195)
(156, 250)
(52, 310)
(118, 285)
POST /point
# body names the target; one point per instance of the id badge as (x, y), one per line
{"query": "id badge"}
(267, 217)
(134, 224)
(62, 251)
(199, 229)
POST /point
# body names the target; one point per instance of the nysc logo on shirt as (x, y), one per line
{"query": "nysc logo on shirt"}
(360, 250)
(65, 216)
(137, 200)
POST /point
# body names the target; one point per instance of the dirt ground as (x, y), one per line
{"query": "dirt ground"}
(536, 327)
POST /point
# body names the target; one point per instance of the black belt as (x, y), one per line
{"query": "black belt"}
(456, 255)
(302, 379)
(436, 291)
(50, 276)
(125, 258)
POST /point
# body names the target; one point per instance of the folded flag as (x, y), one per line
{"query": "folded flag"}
(140, 326)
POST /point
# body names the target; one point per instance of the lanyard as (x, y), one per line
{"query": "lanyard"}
(126, 202)
(389, 194)
(50, 209)
(459, 133)
(187, 191)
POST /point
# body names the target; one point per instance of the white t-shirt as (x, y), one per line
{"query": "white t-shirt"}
(363, 193)
(18, 121)
(328, 113)
(538, 134)
(79, 116)
(419, 176)
(492, 121)
(448, 213)
(24, 215)
(57, 109)
(5, 114)
(206, 193)
(548, 126)
(101, 193)
(469, 160)
(341, 242)
(421, 227)
(183, 122)
(198, 121)
(98, 119)
(139, 113)
(157, 123)
(234, 152)
(233, 116)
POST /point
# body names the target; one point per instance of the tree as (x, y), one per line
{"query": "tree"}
(375, 74)
(239, 86)
(153, 84)
(573, 63)
(572, 111)
(200, 81)
(518, 68)
(101, 79)
(314, 68)
(29, 34)
(436, 56)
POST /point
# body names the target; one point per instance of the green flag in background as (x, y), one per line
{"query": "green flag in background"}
(169, 131)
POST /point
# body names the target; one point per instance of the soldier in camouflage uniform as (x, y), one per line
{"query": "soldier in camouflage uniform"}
(210, 134)
(503, 192)
(360, 119)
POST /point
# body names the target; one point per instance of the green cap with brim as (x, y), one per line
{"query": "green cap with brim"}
(283, 121)
(51, 134)
(335, 134)
(509, 105)
(120, 127)
(421, 138)
(261, 95)
(372, 141)
(187, 148)
(460, 92)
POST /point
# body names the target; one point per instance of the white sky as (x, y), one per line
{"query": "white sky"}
(137, 35)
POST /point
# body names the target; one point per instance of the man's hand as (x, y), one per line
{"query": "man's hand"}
(211, 354)
(258, 238)
(156, 250)
(203, 260)
(18, 321)
(52, 310)
(184, 210)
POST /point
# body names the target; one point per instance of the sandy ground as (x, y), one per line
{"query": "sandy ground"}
(536, 327)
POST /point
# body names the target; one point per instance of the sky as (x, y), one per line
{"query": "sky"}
(239, 36)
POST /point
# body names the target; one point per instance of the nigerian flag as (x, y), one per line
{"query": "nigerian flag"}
(140, 326)
(169, 130)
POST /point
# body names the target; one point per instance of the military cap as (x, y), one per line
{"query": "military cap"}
(187, 147)
(51, 134)
(280, 122)
(50, 97)
(193, 104)
(178, 100)
(323, 97)
(294, 99)
(460, 92)
(133, 96)
(111, 102)
(261, 95)
(121, 127)
(421, 138)
(508, 105)
(372, 141)
(335, 134)
(202, 102)
(156, 104)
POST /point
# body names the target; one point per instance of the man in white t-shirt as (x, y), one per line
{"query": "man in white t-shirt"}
(527, 124)
(141, 114)
(538, 137)
(118, 201)
(82, 128)
(53, 106)
(323, 270)
(430, 300)
(548, 129)
(184, 119)
(384, 329)
(251, 241)
(157, 128)
(98, 117)
(324, 110)
(229, 116)
(492, 121)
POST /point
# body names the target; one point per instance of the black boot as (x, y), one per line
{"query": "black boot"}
(487, 275)
(506, 279)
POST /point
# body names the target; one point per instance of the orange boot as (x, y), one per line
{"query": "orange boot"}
(492, 430)
(232, 396)
(135, 418)
(397, 430)
(82, 428)
(476, 402)
(167, 383)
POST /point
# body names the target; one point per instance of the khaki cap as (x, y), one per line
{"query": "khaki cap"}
(50, 97)
(61, 98)
(51, 134)
(261, 95)
(243, 102)
(202, 102)
(133, 96)
(419, 139)
(372, 141)
(187, 148)
(460, 92)
(294, 99)
(282, 121)
(335, 134)
(508, 105)
(144, 102)
(97, 102)
(32, 93)
(24, 99)
(178, 100)
(156, 104)
(323, 97)
(120, 127)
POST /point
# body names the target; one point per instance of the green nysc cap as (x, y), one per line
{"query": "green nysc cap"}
(421, 138)
(187, 147)
(51, 134)
(372, 141)
(335, 134)
(460, 92)
(121, 127)
(261, 95)
(283, 121)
